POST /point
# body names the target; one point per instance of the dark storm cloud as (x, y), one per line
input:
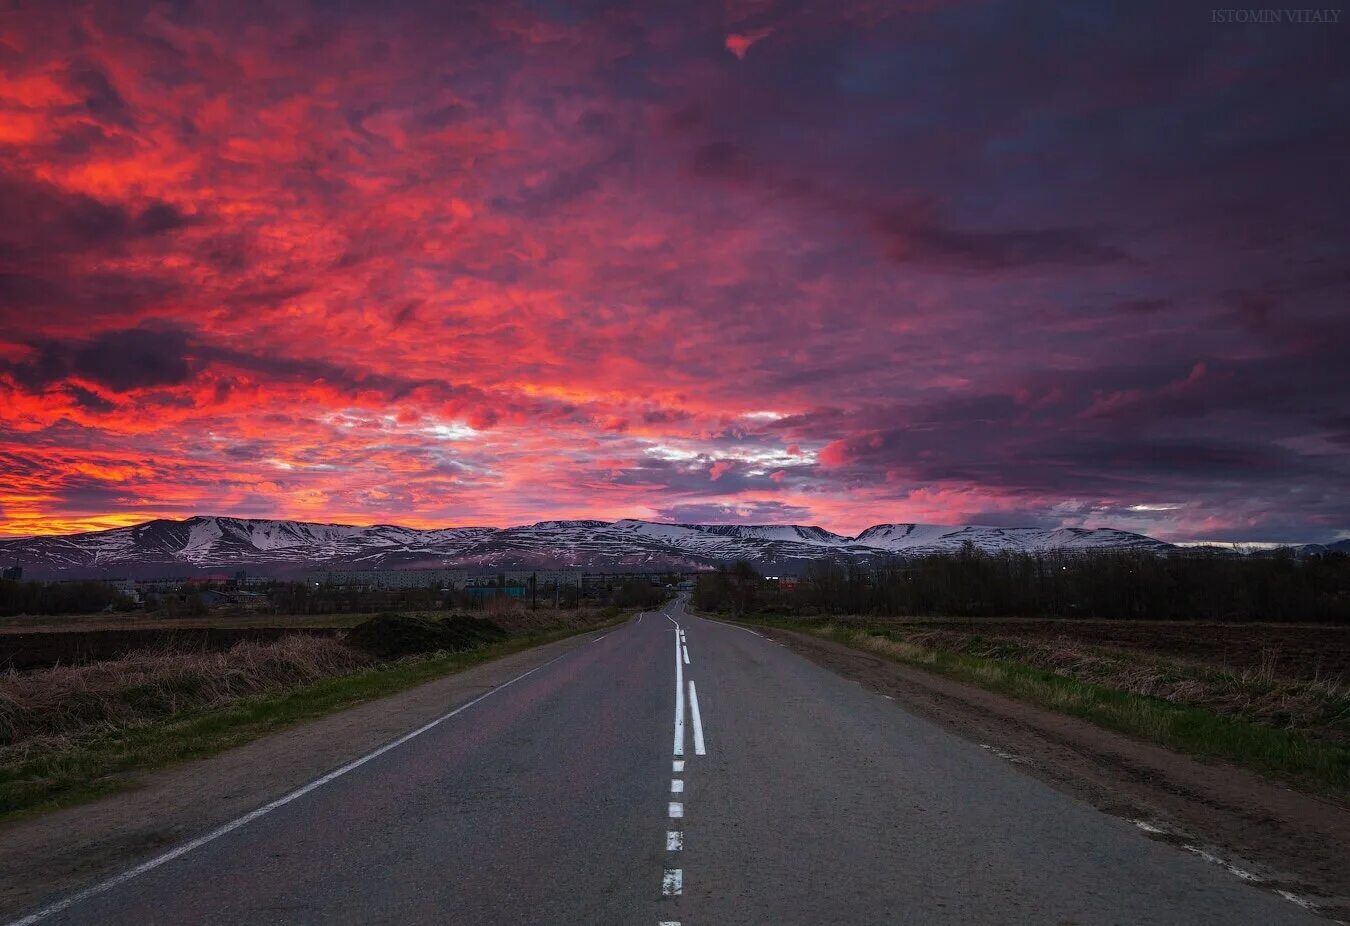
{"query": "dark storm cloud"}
(908, 242)
(119, 360)
(89, 401)
(101, 98)
(39, 219)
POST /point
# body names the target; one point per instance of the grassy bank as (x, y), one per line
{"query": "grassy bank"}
(1294, 730)
(78, 748)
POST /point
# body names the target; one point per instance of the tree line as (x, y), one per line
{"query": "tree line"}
(280, 597)
(18, 597)
(1123, 585)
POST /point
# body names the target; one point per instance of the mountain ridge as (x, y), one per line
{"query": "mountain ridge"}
(274, 546)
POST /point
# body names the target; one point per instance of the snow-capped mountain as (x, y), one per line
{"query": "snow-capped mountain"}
(200, 544)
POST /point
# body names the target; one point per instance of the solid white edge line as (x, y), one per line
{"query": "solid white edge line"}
(601, 637)
(249, 817)
(698, 720)
(679, 700)
(672, 882)
(736, 627)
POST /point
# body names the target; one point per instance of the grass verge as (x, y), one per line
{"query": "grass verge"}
(1293, 756)
(46, 775)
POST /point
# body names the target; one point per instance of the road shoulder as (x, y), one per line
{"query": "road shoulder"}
(66, 849)
(1290, 841)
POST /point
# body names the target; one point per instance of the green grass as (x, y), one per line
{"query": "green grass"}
(47, 777)
(1286, 755)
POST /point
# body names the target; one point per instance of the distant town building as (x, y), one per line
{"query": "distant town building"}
(480, 592)
(447, 578)
(391, 578)
(127, 587)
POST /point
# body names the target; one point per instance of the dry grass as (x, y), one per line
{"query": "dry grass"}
(1319, 707)
(82, 699)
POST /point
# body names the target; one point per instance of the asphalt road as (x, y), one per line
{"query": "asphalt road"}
(586, 792)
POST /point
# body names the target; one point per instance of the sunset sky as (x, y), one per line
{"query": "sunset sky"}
(451, 263)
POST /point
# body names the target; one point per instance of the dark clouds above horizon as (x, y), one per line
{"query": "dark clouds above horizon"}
(1008, 263)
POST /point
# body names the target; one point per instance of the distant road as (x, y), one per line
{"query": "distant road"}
(769, 791)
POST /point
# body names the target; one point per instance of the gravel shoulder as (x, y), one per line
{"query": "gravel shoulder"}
(1287, 840)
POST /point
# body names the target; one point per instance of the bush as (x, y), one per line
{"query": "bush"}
(389, 636)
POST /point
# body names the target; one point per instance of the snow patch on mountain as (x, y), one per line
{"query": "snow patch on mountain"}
(276, 546)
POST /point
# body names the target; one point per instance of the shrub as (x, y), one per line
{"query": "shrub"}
(389, 636)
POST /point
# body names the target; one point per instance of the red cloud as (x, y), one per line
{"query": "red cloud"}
(739, 43)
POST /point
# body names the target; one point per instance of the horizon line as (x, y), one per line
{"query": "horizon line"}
(1263, 544)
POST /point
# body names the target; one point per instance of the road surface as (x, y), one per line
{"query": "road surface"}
(676, 770)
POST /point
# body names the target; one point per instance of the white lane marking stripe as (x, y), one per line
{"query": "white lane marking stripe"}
(676, 786)
(677, 765)
(599, 638)
(673, 621)
(669, 923)
(686, 654)
(249, 817)
(698, 721)
(674, 841)
(673, 882)
(737, 627)
(676, 810)
(679, 700)
(639, 620)
(1303, 902)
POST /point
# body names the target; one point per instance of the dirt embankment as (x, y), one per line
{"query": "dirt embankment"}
(1288, 841)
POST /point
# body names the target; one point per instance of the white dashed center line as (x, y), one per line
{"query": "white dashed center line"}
(676, 810)
(674, 840)
(673, 882)
(676, 786)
